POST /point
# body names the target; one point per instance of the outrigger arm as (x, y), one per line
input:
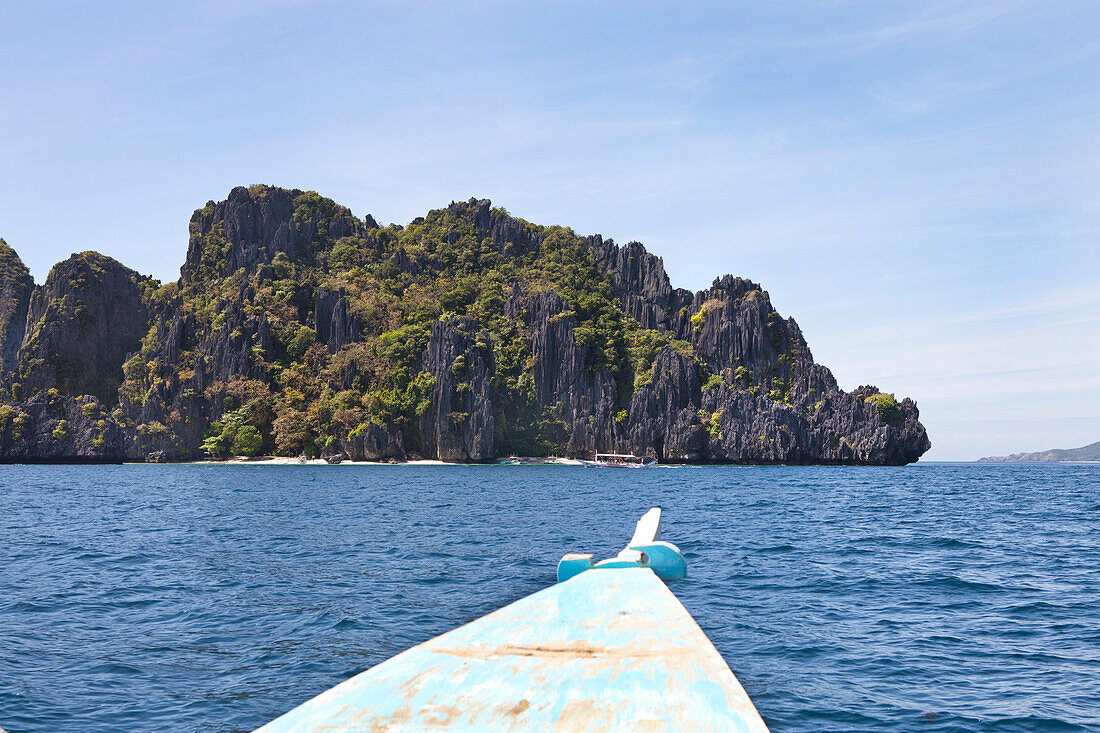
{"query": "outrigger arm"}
(645, 550)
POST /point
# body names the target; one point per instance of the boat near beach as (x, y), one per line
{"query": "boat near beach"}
(618, 460)
(608, 647)
(514, 460)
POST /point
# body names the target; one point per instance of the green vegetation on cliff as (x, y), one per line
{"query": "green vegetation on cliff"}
(298, 328)
(396, 282)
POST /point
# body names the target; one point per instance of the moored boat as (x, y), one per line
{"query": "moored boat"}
(609, 647)
(618, 460)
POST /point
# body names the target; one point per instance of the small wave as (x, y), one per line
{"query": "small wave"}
(845, 552)
(135, 559)
(952, 582)
(140, 603)
(1032, 723)
(1035, 607)
(961, 605)
(953, 543)
(941, 639)
(115, 668)
(30, 607)
(816, 651)
(434, 579)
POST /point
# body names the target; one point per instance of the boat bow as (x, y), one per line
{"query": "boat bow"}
(607, 649)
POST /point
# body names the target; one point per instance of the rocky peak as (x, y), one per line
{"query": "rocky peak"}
(639, 281)
(16, 285)
(255, 224)
(510, 235)
(81, 324)
(734, 326)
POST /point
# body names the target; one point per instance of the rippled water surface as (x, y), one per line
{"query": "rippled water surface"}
(927, 598)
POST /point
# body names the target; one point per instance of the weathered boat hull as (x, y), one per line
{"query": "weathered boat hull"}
(610, 649)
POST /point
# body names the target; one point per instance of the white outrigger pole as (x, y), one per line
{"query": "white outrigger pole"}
(607, 648)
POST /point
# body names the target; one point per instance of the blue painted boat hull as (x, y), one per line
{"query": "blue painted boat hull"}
(609, 649)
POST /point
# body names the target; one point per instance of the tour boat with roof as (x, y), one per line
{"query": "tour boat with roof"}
(618, 460)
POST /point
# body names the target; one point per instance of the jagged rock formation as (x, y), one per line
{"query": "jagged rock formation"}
(457, 422)
(51, 427)
(333, 322)
(80, 327)
(16, 285)
(297, 328)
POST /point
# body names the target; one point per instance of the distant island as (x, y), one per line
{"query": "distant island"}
(1089, 452)
(297, 328)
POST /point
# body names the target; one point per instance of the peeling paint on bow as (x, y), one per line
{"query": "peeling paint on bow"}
(608, 649)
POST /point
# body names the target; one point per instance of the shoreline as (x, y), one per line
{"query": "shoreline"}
(528, 461)
(289, 461)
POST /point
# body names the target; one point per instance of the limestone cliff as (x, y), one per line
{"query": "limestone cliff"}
(16, 285)
(81, 325)
(297, 328)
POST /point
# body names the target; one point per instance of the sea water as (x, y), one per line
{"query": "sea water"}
(950, 597)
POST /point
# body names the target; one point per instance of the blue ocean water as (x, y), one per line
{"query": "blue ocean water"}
(214, 598)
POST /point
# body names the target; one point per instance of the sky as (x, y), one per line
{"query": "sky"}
(918, 184)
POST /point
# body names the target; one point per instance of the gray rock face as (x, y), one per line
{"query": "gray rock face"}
(640, 283)
(375, 443)
(81, 325)
(334, 324)
(60, 428)
(16, 285)
(580, 400)
(254, 225)
(560, 369)
(772, 404)
(663, 418)
(458, 423)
